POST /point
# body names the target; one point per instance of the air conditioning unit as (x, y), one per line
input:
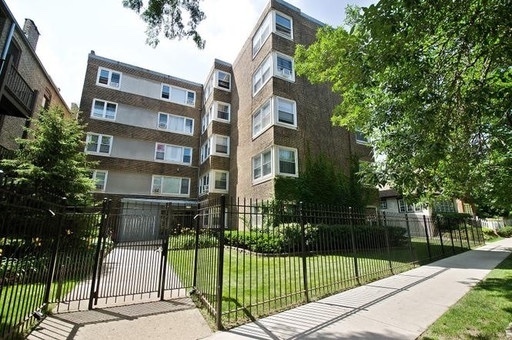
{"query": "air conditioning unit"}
(286, 72)
(162, 126)
(113, 84)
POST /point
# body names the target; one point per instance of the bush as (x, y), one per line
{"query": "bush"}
(489, 233)
(505, 231)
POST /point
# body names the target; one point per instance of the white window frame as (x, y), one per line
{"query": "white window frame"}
(262, 119)
(216, 110)
(257, 162)
(205, 150)
(110, 83)
(208, 88)
(96, 181)
(213, 180)
(277, 100)
(104, 111)
(207, 118)
(158, 190)
(361, 138)
(204, 184)
(166, 126)
(218, 80)
(215, 142)
(99, 144)
(286, 74)
(188, 93)
(262, 75)
(275, 25)
(268, 26)
(268, 114)
(167, 148)
(278, 161)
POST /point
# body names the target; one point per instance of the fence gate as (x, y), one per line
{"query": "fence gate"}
(138, 256)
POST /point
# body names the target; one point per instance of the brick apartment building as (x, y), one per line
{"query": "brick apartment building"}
(163, 139)
(25, 86)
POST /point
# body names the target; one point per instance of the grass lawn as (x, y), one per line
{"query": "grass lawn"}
(256, 286)
(483, 313)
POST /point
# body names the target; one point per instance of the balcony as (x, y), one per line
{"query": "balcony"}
(16, 96)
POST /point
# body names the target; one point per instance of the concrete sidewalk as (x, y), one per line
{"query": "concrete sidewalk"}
(398, 307)
(402, 306)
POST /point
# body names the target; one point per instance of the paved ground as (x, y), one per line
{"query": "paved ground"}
(398, 307)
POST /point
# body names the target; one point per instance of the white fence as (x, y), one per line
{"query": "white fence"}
(495, 223)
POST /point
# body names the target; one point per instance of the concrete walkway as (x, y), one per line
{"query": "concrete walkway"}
(398, 307)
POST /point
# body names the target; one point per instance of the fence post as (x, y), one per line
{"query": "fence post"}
(165, 234)
(388, 248)
(409, 235)
(220, 262)
(197, 218)
(55, 250)
(428, 240)
(451, 240)
(93, 293)
(303, 251)
(440, 234)
(354, 250)
(467, 234)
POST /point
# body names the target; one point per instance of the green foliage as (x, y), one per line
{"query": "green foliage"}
(489, 233)
(166, 17)
(429, 83)
(324, 182)
(449, 220)
(188, 241)
(51, 160)
(287, 238)
(505, 231)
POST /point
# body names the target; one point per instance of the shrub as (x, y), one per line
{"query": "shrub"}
(489, 233)
(505, 231)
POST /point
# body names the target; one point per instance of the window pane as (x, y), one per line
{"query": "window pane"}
(98, 108)
(283, 25)
(184, 186)
(104, 74)
(178, 95)
(114, 81)
(283, 63)
(165, 91)
(223, 111)
(221, 181)
(287, 161)
(191, 98)
(267, 163)
(105, 144)
(162, 121)
(224, 79)
(92, 144)
(157, 184)
(111, 111)
(256, 165)
(171, 185)
(188, 125)
(187, 155)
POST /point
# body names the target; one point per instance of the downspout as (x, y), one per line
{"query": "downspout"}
(6, 46)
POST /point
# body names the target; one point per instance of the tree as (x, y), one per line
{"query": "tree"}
(51, 160)
(429, 82)
(166, 17)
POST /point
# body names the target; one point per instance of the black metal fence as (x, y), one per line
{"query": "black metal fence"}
(242, 259)
(273, 256)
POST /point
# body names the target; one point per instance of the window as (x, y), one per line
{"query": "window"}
(223, 111)
(261, 119)
(221, 180)
(284, 66)
(283, 25)
(286, 111)
(103, 109)
(176, 124)
(224, 80)
(173, 153)
(205, 150)
(277, 110)
(207, 118)
(403, 207)
(108, 78)
(262, 165)
(166, 185)
(221, 145)
(47, 98)
(262, 75)
(208, 89)
(287, 161)
(204, 184)
(274, 22)
(383, 203)
(100, 179)
(99, 144)
(178, 95)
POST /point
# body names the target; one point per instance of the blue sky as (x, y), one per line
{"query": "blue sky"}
(70, 29)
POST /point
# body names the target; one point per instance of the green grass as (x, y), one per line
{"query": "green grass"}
(483, 313)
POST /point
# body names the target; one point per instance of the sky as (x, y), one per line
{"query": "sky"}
(70, 29)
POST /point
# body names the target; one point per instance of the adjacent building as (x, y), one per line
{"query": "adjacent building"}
(25, 86)
(162, 139)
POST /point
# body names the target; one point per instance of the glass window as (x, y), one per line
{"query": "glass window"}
(287, 161)
(283, 25)
(221, 180)
(175, 123)
(100, 179)
(103, 109)
(261, 35)
(383, 203)
(224, 80)
(97, 143)
(286, 111)
(204, 184)
(261, 119)
(222, 144)
(223, 111)
(108, 78)
(166, 185)
(262, 75)
(284, 66)
(262, 165)
(178, 95)
(173, 153)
